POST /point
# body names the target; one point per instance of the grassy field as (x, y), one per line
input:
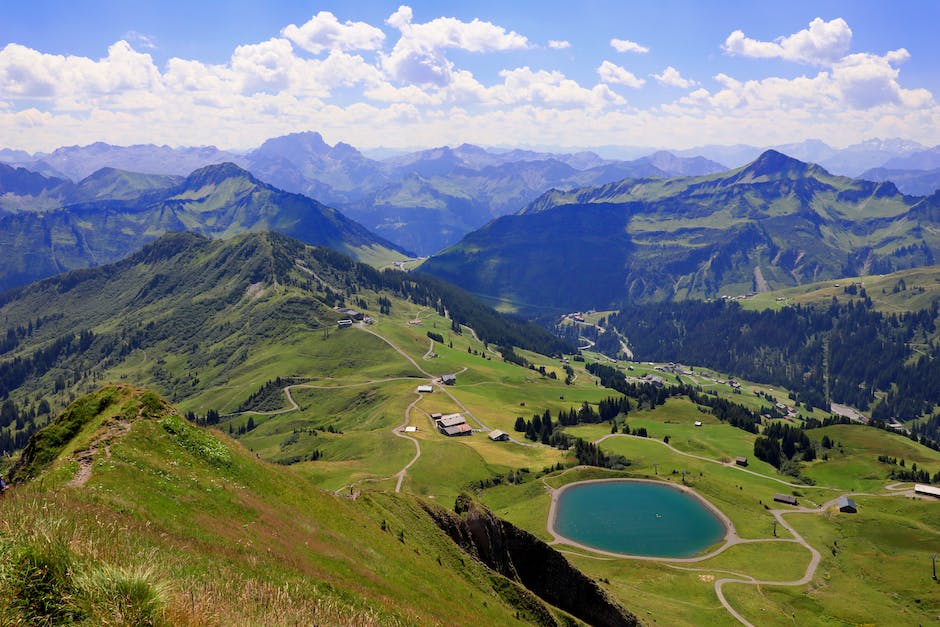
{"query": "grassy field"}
(921, 287)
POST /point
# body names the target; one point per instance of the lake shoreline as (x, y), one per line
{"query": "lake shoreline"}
(730, 537)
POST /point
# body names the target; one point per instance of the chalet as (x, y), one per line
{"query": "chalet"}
(785, 498)
(425, 389)
(734, 384)
(453, 424)
(450, 420)
(352, 313)
(740, 461)
(344, 324)
(928, 490)
(449, 379)
(847, 505)
(655, 380)
(498, 436)
(461, 429)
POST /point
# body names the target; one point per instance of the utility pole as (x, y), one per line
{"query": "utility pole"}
(933, 558)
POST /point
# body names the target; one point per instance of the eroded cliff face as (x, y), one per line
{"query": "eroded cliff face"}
(520, 556)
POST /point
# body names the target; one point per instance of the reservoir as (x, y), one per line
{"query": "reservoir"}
(636, 518)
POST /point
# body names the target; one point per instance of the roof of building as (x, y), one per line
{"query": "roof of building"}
(926, 489)
(845, 501)
(451, 419)
(496, 434)
(449, 377)
(740, 458)
(785, 498)
(410, 429)
(425, 388)
(460, 429)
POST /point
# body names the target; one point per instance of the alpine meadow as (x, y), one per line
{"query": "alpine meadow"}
(443, 314)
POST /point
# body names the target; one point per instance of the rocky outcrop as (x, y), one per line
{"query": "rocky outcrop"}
(520, 556)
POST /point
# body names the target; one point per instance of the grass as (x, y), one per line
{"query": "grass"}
(240, 542)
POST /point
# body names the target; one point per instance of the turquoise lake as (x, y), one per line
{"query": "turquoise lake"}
(637, 518)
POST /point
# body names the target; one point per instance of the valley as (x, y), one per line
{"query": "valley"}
(336, 420)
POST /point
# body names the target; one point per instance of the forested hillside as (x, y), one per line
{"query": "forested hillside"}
(869, 359)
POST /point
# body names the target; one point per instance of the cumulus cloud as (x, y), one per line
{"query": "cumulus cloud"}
(671, 77)
(325, 32)
(557, 44)
(524, 85)
(823, 43)
(625, 45)
(418, 56)
(614, 74)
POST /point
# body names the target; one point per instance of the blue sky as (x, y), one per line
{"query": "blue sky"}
(547, 74)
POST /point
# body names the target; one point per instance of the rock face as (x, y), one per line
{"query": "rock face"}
(520, 556)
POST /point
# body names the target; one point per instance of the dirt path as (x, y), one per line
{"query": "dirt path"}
(399, 431)
(713, 461)
(86, 458)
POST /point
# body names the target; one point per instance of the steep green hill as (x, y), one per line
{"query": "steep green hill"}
(122, 512)
(774, 223)
(216, 201)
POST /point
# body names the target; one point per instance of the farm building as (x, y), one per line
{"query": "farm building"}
(847, 505)
(425, 389)
(740, 461)
(785, 498)
(449, 379)
(929, 490)
(411, 429)
(498, 436)
(436, 416)
(453, 424)
(461, 429)
(343, 324)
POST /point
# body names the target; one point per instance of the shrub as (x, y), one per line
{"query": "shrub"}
(118, 596)
(37, 583)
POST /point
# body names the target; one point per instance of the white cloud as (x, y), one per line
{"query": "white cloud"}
(671, 77)
(612, 73)
(557, 44)
(867, 80)
(324, 32)
(141, 40)
(418, 56)
(625, 45)
(823, 43)
(524, 85)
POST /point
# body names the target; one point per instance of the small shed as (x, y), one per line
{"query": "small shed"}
(449, 379)
(847, 505)
(425, 389)
(740, 461)
(785, 498)
(498, 436)
(411, 429)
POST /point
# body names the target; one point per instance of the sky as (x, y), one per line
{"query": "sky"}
(540, 74)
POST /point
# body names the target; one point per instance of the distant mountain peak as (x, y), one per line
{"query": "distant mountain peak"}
(216, 173)
(773, 163)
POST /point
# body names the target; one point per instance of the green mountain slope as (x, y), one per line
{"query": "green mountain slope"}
(217, 201)
(202, 320)
(774, 223)
(131, 515)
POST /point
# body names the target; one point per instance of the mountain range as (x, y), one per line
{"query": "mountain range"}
(776, 222)
(128, 210)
